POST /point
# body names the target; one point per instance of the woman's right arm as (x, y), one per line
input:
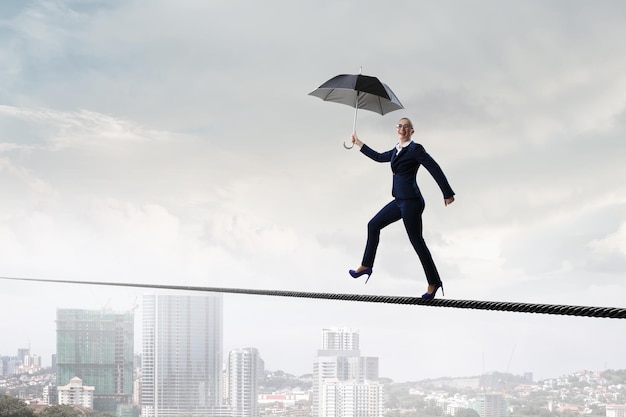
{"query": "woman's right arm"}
(369, 152)
(355, 140)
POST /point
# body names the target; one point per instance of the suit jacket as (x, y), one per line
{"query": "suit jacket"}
(404, 167)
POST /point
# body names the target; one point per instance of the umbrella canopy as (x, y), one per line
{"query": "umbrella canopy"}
(361, 92)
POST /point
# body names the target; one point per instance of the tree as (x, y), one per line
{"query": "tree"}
(615, 377)
(430, 412)
(466, 412)
(63, 410)
(531, 410)
(14, 407)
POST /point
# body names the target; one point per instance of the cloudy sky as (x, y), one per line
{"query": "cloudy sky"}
(175, 143)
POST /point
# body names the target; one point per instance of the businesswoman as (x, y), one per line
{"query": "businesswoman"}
(408, 203)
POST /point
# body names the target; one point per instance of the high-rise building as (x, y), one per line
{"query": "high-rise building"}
(182, 355)
(97, 347)
(245, 370)
(49, 394)
(29, 364)
(343, 380)
(615, 410)
(490, 405)
(4, 365)
(22, 353)
(340, 339)
(343, 399)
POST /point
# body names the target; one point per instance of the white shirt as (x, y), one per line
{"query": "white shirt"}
(401, 145)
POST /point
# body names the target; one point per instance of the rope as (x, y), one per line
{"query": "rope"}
(556, 309)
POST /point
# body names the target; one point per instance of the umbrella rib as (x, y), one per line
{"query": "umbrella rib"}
(380, 105)
(330, 90)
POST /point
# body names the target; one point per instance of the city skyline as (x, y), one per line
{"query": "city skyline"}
(508, 359)
(585, 392)
(527, 374)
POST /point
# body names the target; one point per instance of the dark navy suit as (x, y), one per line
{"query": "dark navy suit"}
(408, 204)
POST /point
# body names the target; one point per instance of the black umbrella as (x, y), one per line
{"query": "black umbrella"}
(361, 92)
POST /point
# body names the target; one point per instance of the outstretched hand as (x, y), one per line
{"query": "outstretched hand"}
(355, 140)
(448, 201)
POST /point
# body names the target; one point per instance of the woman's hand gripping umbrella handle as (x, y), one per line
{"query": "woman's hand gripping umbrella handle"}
(355, 141)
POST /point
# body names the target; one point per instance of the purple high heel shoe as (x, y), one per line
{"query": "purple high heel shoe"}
(431, 296)
(355, 274)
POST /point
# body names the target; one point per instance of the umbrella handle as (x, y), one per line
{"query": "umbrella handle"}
(356, 107)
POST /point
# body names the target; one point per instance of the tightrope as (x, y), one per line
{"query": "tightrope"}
(555, 309)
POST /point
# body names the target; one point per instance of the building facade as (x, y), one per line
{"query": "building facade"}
(97, 347)
(349, 399)
(75, 393)
(490, 405)
(615, 410)
(245, 370)
(344, 381)
(182, 355)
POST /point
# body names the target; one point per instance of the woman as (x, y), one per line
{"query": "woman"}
(408, 203)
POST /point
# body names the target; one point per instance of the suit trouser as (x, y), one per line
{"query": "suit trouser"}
(410, 211)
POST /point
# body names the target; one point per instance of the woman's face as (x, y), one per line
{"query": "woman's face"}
(405, 130)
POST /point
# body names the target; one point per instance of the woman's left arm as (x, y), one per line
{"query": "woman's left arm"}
(437, 173)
